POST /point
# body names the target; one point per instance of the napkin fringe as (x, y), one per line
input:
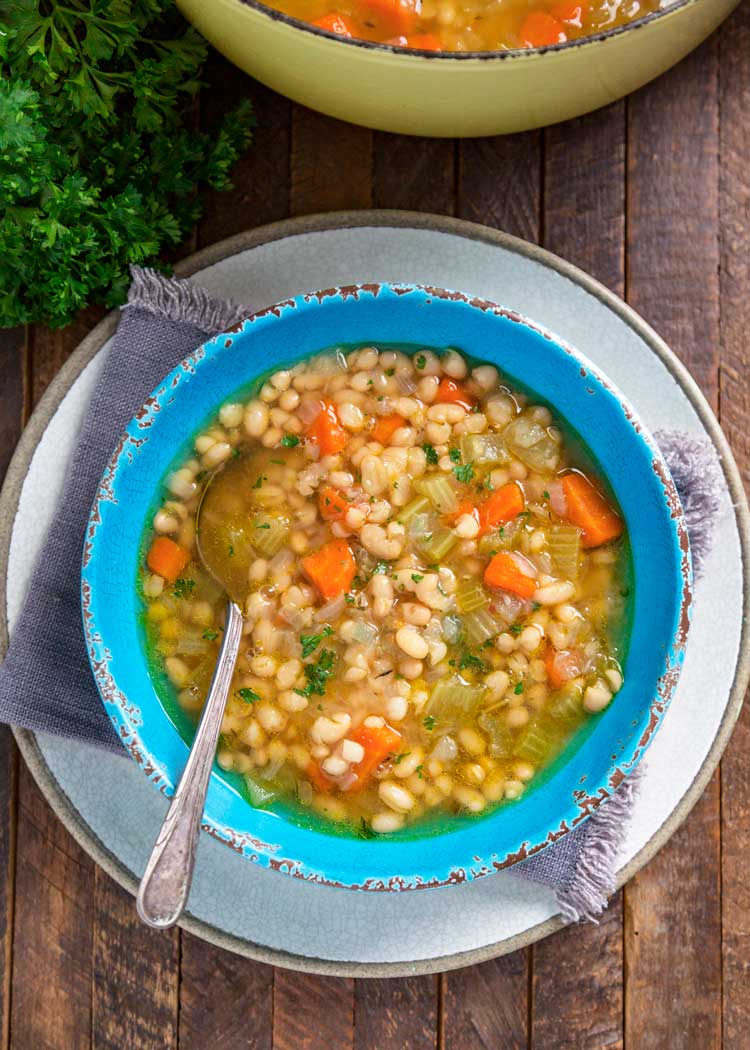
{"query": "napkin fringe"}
(593, 883)
(182, 301)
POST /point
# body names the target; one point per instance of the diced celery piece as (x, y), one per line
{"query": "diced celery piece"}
(263, 790)
(481, 625)
(452, 629)
(439, 492)
(470, 596)
(453, 701)
(417, 506)
(483, 449)
(260, 794)
(422, 524)
(564, 546)
(500, 539)
(192, 643)
(269, 534)
(533, 444)
(437, 544)
(567, 706)
(536, 743)
(501, 741)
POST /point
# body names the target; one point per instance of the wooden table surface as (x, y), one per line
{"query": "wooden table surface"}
(651, 196)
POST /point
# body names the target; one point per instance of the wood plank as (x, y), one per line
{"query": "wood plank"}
(51, 989)
(486, 1006)
(734, 413)
(312, 1012)
(49, 348)
(396, 1014)
(577, 974)
(261, 176)
(12, 415)
(577, 990)
(135, 975)
(673, 907)
(225, 1000)
(414, 173)
(499, 183)
(331, 164)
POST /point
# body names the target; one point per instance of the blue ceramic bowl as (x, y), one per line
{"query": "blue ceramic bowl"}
(596, 761)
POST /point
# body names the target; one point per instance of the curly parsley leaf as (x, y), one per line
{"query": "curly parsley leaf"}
(310, 642)
(317, 674)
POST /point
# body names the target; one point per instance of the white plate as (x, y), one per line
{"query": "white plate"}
(291, 923)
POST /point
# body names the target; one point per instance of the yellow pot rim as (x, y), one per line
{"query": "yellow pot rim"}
(442, 56)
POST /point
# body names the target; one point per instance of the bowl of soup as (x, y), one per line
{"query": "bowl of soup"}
(455, 67)
(463, 568)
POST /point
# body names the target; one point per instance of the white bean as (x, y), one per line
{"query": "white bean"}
(555, 593)
(410, 641)
(256, 418)
(395, 796)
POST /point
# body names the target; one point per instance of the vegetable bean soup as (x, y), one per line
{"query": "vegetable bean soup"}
(434, 583)
(467, 25)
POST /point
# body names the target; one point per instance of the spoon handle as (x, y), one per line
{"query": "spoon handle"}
(166, 881)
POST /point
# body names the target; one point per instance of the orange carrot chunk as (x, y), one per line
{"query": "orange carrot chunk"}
(395, 17)
(588, 509)
(332, 568)
(339, 24)
(317, 777)
(571, 13)
(540, 29)
(451, 392)
(327, 432)
(503, 572)
(167, 558)
(503, 505)
(386, 427)
(332, 503)
(561, 665)
(378, 742)
(464, 507)
(418, 41)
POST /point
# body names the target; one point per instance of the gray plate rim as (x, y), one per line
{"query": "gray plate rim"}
(319, 223)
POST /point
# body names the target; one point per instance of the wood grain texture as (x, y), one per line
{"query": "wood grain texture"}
(499, 183)
(583, 217)
(135, 975)
(225, 1000)
(577, 974)
(51, 987)
(261, 176)
(414, 173)
(396, 1014)
(8, 801)
(673, 907)
(331, 164)
(578, 986)
(486, 1007)
(311, 1012)
(734, 413)
(49, 349)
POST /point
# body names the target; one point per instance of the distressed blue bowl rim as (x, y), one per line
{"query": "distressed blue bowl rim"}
(399, 864)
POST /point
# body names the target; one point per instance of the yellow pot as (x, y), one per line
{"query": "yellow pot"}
(443, 93)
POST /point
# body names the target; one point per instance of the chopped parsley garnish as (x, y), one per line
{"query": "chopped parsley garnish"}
(472, 662)
(515, 628)
(465, 473)
(310, 642)
(390, 371)
(430, 454)
(210, 636)
(259, 481)
(398, 759)
(429, 723)
(535, 606)
(290, 441)
(183, 588)
(454, 455)
(365, 831)
(518, 688)
(418, 771)
(248, 696)
(381, 567)
(264, 525)
(230, 550)
(417, 577)
(236, 453)
(420, 361)
(317, 674)
(349, 599)
(545, 494)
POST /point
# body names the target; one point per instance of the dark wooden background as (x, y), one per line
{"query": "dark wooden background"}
(651, 196)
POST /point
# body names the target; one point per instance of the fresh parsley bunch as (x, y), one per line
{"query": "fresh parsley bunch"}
(97, 167)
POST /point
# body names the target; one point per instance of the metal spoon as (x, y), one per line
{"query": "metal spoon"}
(166, 881)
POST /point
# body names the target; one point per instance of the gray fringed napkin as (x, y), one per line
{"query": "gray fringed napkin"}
(46, 683)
